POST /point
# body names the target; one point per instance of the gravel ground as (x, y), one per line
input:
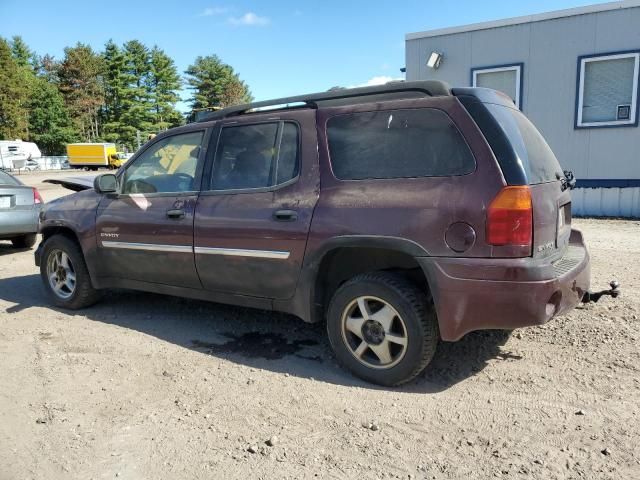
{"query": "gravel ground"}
(147, 386)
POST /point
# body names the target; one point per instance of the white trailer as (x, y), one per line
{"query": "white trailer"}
(14, 154)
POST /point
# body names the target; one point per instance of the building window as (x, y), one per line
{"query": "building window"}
(504, 78)
(608, 90)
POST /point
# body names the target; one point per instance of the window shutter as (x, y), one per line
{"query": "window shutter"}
(607, 84)
(505, 81)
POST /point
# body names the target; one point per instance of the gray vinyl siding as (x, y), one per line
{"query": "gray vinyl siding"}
(549, 50)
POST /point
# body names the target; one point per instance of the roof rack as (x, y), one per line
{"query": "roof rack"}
(391, 90)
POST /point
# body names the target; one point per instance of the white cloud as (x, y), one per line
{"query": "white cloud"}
(379, 80)
(250, 19)
(211, 11)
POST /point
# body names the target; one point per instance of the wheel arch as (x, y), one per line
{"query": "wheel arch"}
(48, 231)
(342, 258)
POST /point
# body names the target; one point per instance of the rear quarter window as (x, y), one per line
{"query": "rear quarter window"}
(521, 150)
(397, 144)
(540, 162)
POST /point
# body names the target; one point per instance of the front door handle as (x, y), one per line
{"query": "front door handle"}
(176, 213)
(285, 215)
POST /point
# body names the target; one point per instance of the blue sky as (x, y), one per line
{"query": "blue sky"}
(279, 48)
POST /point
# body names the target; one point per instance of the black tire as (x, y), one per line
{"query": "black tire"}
(84, 294)
(417, 314)
(24, 241)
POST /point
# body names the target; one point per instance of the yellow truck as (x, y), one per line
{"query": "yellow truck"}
(93, 155)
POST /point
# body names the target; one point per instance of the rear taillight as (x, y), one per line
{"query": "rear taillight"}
(510, 217)
(36, 197)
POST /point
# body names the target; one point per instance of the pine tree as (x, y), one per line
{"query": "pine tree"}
(164, 83)
(115, 84)
(21, 53)
(215, 84)
(136, 101)
(13, 95)
(81, 87)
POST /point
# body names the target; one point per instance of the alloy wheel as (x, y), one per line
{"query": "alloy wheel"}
(61, 274)
(374, 332)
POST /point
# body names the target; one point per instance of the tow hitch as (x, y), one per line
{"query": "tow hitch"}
(613, 292)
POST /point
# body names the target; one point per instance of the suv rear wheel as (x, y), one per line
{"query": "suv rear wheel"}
(65, 275)
(382, 328)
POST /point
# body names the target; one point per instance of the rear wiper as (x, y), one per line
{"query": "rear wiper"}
(569, 181)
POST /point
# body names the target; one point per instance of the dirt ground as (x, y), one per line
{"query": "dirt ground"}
(144, 386)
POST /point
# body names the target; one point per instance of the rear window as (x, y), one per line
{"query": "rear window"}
(518, 145)
(6, 179)
(397, 144)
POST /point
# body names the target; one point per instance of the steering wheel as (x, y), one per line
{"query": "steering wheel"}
(139, 186)
(180, 176)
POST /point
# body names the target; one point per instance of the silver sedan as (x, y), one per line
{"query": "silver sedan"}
(20, 208)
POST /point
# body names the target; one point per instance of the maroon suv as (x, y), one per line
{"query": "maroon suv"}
(399, 214)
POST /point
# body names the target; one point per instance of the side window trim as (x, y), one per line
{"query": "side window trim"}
(207, 182)
(278, 145)
(206, 133)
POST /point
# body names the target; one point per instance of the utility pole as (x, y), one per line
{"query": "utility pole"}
(138, 139)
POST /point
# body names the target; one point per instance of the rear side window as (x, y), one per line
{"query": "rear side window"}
(533, 150)
(397, 144)
(522, 152)
(256, 156)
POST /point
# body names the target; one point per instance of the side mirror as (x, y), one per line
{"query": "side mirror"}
(105, 183)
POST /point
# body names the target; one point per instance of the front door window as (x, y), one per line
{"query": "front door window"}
(167, 166)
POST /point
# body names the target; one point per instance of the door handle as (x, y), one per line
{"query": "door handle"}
(285, 215)
(176, 213)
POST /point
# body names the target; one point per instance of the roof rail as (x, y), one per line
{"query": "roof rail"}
(432, 88)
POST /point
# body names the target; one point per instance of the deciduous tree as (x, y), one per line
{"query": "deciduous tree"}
(49, 123)
(82, 88)
(13, 93)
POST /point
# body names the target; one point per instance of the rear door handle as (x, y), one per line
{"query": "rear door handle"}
(285, 215)
(176, 213)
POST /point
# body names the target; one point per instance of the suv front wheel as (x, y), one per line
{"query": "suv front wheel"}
(382, 328)
(65, 275)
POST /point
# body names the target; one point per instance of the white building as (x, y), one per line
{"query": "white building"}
(574, 73)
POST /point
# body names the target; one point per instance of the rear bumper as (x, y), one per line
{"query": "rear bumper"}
(477, 294)
(18, 222)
